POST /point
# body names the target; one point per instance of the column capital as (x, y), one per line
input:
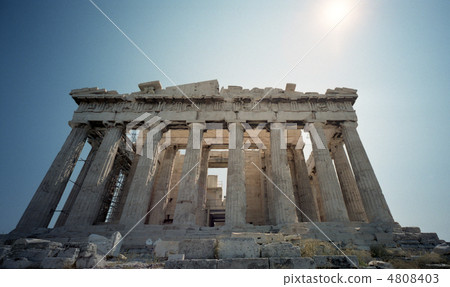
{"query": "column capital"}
(78, 124)
(349, 124)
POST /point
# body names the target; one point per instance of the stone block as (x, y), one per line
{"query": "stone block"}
(197, 248)
(70, 253)
(58, 263)
(34, 255)
(429, 238)
(336, 261)
(411, 229)
(260, 238)
(442, 249)
(280, 249)
(173, 257)
(292, 263)
(96, 261)
(34, 243)
(192, 264)
(163, 248)
(243, 263)
(86, 249)
(237, 248)
(116, 244)
(103, 244)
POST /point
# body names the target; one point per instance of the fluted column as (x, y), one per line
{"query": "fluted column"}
(372, 197)
(185, 210)
(44, 202)
(77, 186)
(202, 187)
(141, 187)
(270, 189)
(159, 198)
(285, 210)
(350, 192)
(307, 200)
(89, 199)
(236, 206)
(333, 201)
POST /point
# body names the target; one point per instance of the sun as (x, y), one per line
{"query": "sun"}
(335, 10)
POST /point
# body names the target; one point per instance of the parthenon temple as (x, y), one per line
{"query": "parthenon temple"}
(151, 150)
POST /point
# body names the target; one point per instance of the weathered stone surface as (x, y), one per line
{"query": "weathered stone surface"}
(260, 238)
(386, 239)
(292, 263)
(58, 263)
(105, 245)
(192, 264)
(163, 248)
(237, 248)
(442, 249)
(70, 253)
(280, 249)
(380, 264)
(411, 229)
(336, 261)
(197, 248)
(86, 249)
(25, 243)
(243, 263)
(21, 263)
(173, 257)
(96, 261)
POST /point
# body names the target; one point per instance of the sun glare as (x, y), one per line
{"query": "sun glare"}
(335, 10)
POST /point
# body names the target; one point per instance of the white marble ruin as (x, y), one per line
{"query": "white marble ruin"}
(115, 186)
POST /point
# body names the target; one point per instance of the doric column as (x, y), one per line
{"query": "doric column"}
(270, 189)
(202, 187)
(159, 198)
(352, 198)
(185, 210)
(333, 201)
(285, 210)
(89, 199)
(305, 195)
(44, 202)
(141, 186)
(77, 186)
(236, 206)
(372, 197)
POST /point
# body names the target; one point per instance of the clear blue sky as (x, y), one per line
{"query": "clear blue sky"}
(396, 53)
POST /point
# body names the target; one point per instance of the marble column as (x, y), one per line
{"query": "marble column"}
(141, 187)
(236, 206)
(44, 202)
(77, 186)
(333, 201)
(307, 200)
(285, 210)
(270, 189)
(160, 198)
(372, 197)
(352, 198)
(89, 199)
(185, 210)
(202, 187)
